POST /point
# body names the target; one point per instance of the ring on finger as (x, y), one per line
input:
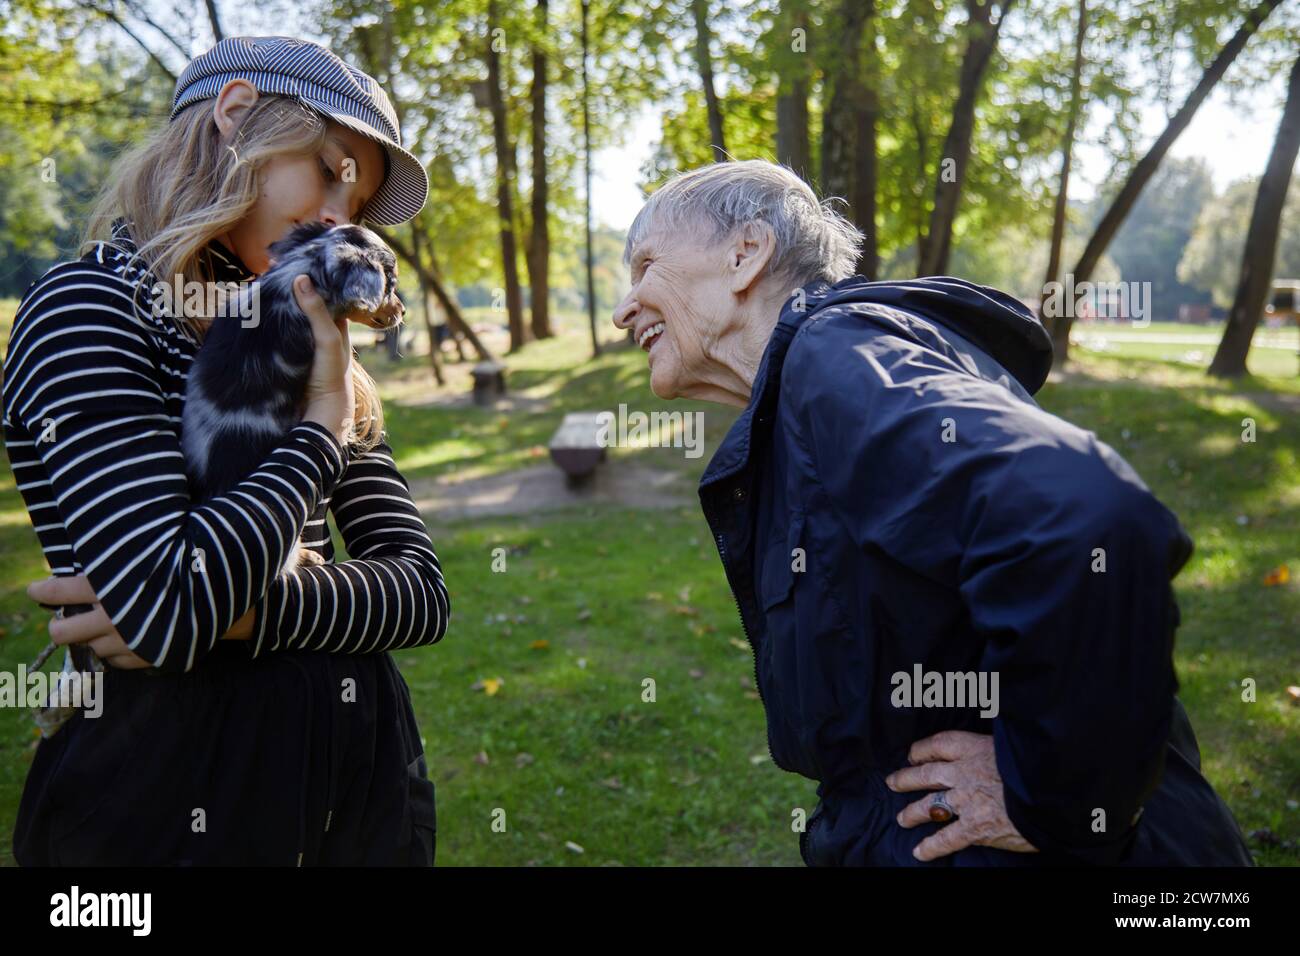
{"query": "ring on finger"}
(941, 811)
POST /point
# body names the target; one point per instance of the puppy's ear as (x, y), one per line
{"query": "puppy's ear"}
(359, 281)
(298, 235)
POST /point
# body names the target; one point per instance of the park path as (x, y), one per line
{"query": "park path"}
(543, 487)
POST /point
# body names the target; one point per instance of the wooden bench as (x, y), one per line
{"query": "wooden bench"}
(574, 447)
(489, 382)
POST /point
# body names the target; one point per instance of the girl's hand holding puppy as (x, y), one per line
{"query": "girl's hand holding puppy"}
(329, 399)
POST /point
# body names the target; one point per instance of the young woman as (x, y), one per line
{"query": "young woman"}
(247, 718)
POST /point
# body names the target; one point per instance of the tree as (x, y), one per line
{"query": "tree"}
(982, 40)
(505, 189)
(849, 127)
(704, 63)
(1261, 240)
(1212, 260)
(790, 58)
(1067, 149)
(1151, 243)
(1149, 163)
(539, 243)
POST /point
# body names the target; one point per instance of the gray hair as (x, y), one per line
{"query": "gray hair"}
(813, 241)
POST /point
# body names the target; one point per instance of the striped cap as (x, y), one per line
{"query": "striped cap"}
(323, 82)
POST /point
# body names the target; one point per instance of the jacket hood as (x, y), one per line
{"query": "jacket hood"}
(995, 322)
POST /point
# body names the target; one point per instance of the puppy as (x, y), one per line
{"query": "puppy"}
(247, 384)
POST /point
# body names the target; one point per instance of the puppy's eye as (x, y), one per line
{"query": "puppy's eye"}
(326, 171)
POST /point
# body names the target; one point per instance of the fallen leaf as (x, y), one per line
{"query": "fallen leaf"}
(523, 759)
(1294, 693)
(569, 844)
(481, 757)
(540, 645)
(1279, 575)
(584, 615)
(613, 783)
(685, 610)
(758, 759)
(489, 685)
(696, 673)
(738, 643)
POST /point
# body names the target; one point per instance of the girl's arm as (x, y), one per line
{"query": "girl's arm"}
(391, 594)
(81, 385)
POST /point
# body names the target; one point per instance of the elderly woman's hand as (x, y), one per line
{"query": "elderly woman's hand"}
(963, 764)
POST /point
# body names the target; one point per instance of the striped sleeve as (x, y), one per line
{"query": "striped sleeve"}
(389, 596)
(81, 382)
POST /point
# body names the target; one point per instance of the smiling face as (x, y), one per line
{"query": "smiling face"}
(331, 186)
(681, 310)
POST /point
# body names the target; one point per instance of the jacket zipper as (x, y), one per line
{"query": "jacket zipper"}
(726, 567)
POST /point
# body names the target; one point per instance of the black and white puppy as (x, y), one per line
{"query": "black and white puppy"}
(247, 384)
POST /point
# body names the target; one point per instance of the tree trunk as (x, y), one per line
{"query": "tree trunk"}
(435, 355)
(505, 206)
(431, 275)
(922, 150)
(586, 154)
(792, 102)
(866, 113)
(704, 63)
(217, 33)
(1067, 155)
(982, 43)
(849, 130)
(539, 249)
(1147, 165)
(1257, 259)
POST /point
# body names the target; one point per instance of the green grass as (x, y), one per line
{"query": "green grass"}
(620, 595)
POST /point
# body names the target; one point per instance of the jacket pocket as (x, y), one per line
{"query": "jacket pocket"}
(776, 578)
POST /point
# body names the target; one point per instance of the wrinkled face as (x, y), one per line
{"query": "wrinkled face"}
(679, 307)
(331, 186)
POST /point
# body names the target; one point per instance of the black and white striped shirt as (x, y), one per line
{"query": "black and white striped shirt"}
(94, 387)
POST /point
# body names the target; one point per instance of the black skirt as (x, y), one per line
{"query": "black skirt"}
(293, 759)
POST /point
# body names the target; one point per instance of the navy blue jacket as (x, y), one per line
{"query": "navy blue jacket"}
(891, 497)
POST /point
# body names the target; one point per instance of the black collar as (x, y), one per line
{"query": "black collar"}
(221, 264)
(224, 265)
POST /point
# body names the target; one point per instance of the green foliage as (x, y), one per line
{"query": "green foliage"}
(1212, 260)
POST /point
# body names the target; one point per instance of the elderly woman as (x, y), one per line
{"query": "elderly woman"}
(959, 605)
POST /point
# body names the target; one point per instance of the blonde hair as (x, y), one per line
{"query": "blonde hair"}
(182, 187)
